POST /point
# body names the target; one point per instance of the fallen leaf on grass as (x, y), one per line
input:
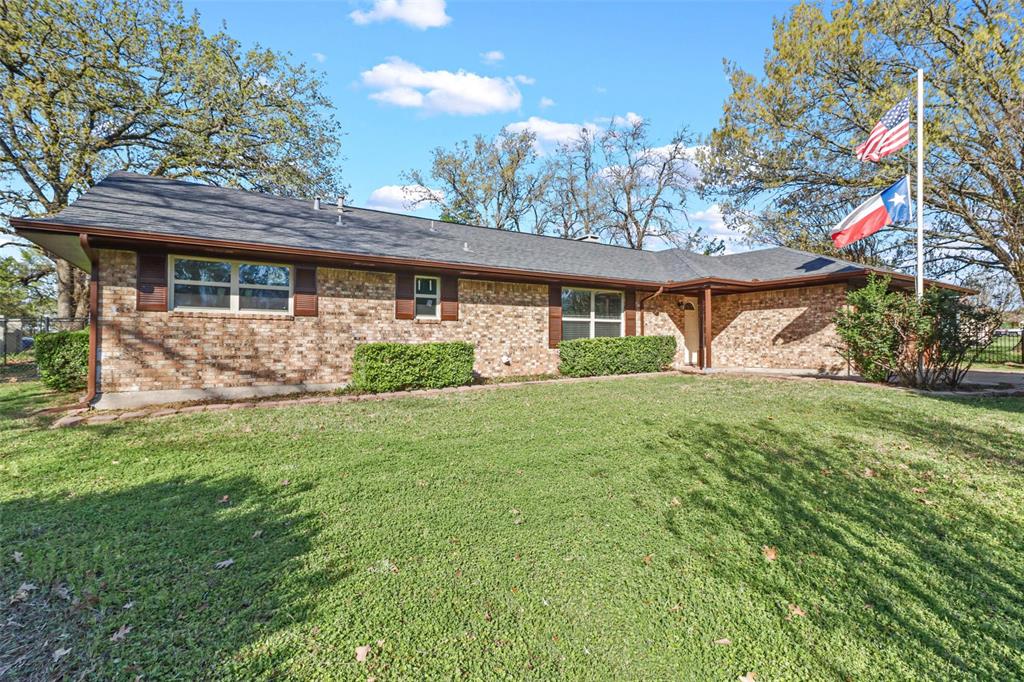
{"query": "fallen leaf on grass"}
(676, 502)
(60, 653)
(926, 502)
(128, 605)
(257, 534)
(21, 594)
(63, 592)
(121, 633)
(919, 491)
(795, 611)
(676, 609)
(869, 473)
(770, 553)
(224, 564)
(648, 559)
(749, 677)
(362, 652)
(383, 566)
(225, 499)
(286, 482)
(17, 556)
(725, 641)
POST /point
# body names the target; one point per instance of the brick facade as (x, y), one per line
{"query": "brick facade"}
(145, 351)
(148, 351)
(779, 329)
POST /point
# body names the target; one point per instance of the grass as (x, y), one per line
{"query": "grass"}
(598, 530)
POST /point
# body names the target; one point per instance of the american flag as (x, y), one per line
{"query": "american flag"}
(889, 135)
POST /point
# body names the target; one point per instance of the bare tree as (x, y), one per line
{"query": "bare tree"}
(644, 186)
(491, 182)
(575, 203)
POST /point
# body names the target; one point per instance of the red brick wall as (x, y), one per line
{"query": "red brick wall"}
(142, 351)
(780, 329)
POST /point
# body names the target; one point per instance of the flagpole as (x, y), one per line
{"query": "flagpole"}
(920, 183)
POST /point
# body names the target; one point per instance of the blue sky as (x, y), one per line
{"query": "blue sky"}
(407, 76)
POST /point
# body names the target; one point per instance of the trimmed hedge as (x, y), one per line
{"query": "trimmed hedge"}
(616, 355)
(63, 359)
(381, 367)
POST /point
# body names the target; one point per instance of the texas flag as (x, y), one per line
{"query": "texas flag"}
(891, 206)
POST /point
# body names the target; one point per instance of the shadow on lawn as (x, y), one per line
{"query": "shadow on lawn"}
(863, 555)
(144, 557)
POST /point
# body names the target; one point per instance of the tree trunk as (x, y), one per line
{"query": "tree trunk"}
(72, 291)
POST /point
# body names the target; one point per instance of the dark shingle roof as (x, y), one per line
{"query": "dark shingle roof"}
(145, 204)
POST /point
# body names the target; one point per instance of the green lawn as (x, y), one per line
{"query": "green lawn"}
(594, 530)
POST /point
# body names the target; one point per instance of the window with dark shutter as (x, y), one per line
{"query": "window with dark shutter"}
(630, 313)
(405, 307)
(151, 282)
(449, 298)
(554, 315)
(306, 303)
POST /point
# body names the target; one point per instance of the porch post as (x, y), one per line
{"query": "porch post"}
(705, 336)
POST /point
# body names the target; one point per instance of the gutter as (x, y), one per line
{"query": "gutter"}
(643, 301)
(94, 322)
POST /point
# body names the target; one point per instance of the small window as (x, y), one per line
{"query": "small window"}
(427, 298)
(589, 313)
(211, 284)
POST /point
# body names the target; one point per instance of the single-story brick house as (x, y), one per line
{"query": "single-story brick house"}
(202, 292)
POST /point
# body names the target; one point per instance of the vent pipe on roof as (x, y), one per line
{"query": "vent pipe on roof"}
(588, 238)
(316, 203)
(341, 206)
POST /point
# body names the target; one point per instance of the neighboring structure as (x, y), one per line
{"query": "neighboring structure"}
(200, 292)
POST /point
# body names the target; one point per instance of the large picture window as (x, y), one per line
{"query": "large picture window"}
(213, 284)
(588, 313)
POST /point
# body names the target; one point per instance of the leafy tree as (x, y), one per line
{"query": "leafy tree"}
(26, 285)
(93, 86)
(783, 151)
(491, 182)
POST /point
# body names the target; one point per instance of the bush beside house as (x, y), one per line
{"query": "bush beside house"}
(381, 367)
(622, 355)
(63, 359)
(892, 336)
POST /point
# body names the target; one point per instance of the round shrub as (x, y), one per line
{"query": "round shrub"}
(63, 359)
(621, 355)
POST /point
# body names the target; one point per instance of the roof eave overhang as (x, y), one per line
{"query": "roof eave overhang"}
(106, 237)
(41, 232)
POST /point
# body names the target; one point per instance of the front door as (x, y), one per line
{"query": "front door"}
(691, 332)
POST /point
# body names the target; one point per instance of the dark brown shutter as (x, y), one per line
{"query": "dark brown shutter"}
(151, 282)
(554, 315)
(630, 313)
(449, 297)
(405, 307)
(305, 304)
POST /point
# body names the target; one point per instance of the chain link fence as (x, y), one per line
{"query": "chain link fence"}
(17, 334)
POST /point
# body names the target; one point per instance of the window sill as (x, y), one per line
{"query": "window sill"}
(227, 314)
(426, 320)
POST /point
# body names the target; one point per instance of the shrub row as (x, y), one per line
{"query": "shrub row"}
(63, 359)
(381, 367)
(621, 355)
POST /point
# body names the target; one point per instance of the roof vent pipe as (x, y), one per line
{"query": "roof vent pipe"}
(341, 206)
(588, 238)
(316, 203)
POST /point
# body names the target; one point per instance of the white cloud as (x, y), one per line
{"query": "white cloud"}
(525, 80)
(546, 102)
(629, 119)
(394, 198)
(405, 84)
(713, 223)
(422, 14)
(550, 133)
(492, 57)
(320, 57)
(600, 89)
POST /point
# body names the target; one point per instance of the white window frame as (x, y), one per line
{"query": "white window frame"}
(436, 297)
(592, 319)
(234, 286)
